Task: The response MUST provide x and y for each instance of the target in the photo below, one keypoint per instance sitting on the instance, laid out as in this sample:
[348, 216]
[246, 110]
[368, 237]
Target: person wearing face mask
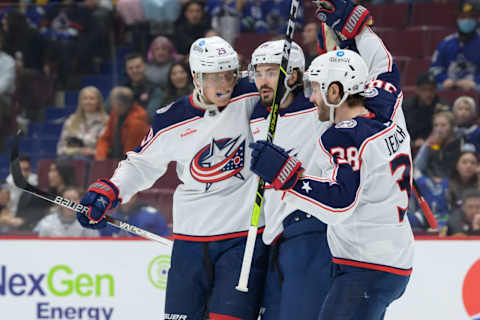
[456, 63]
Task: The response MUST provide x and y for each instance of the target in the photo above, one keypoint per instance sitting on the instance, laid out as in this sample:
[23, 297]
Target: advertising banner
[126, 279]
[445, 283]
[82, 279]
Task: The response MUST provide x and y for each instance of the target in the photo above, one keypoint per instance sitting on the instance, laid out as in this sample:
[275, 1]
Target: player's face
[218, 87]
[317, 99]
[266, 78]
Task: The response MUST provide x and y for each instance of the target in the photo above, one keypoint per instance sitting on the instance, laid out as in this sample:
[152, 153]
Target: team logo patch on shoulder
[164, 109]
[346, 124]
[370, 92]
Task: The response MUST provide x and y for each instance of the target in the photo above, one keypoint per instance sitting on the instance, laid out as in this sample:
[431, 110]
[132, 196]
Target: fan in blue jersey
[358, 180]
[206, 134]
[295, 235]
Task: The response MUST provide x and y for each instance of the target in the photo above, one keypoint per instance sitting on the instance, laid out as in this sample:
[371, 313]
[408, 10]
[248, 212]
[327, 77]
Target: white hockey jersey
[297, 130]
[359, 179]
[358, 182]
[215, 199]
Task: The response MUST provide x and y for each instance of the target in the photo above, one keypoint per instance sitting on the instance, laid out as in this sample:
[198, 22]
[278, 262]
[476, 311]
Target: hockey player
[359, 179]
[206, 133]
[293, 234]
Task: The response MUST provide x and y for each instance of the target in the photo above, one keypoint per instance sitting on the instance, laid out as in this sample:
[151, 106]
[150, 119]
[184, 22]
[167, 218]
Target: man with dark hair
[466, 219]
[420, 108]
[146, 93]
[126, 126]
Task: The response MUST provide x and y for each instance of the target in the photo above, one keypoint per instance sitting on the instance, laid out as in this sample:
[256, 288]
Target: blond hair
[79, 116]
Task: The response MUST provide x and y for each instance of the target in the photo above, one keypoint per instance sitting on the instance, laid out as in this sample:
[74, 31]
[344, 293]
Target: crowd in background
[48, 47]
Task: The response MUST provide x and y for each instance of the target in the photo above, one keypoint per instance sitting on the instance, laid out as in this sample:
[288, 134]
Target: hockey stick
[21, 183]
[425, 207]
[278, 93]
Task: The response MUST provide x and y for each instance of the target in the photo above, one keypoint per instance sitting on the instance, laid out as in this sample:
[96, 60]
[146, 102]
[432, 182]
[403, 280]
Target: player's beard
[267, 99]
[323, 112]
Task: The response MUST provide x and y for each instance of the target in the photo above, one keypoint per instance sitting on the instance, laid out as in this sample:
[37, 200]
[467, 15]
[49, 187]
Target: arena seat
[391, 15]
[434, 14]
[413, 68]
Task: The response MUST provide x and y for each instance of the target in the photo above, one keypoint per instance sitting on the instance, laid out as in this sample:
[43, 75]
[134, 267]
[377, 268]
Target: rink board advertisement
[82, 279]
[126, 279]
[445, 283]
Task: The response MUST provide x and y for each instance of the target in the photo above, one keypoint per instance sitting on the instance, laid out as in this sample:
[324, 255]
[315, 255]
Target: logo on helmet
[201, 43]
[322, 17]
[340, 53]
[197, 49]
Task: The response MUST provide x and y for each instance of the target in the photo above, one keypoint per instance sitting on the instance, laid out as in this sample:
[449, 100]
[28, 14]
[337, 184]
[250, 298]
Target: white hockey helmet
[272, 52]
[213, 54]
[344, 66]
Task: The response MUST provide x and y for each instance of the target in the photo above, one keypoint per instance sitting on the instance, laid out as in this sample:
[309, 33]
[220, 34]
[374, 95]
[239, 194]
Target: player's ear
[333, 93]
[195, 80]
[293, 78]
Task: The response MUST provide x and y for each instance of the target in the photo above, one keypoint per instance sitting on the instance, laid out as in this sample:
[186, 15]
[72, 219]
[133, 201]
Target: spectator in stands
[103, 20]
[466, 219]
[253, 18]
[211, 33]
[191, 25]
[7, 89]
[309, 37]
[179, 83]
[7, 219]
[81, 130]
[126, 126]
[24, 42]
[133, 15]
[437, 156]
[62, 222]
[467, 129]
[146, 93]
[464, 176]
[31, 177]
[456, 63]
[277, 12]
[31, 53]
[76, 36]
[140, 214]
[226, 17]
[420, 108]
[32, 208]
[161, 56]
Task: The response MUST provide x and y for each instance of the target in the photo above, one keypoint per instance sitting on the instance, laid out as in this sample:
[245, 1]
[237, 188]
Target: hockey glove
[346, 18]
[101, 196]
[273, 164]
[326, 39]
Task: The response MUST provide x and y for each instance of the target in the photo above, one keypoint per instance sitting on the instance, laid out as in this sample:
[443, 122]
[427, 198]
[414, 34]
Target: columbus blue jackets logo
[219, 160]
